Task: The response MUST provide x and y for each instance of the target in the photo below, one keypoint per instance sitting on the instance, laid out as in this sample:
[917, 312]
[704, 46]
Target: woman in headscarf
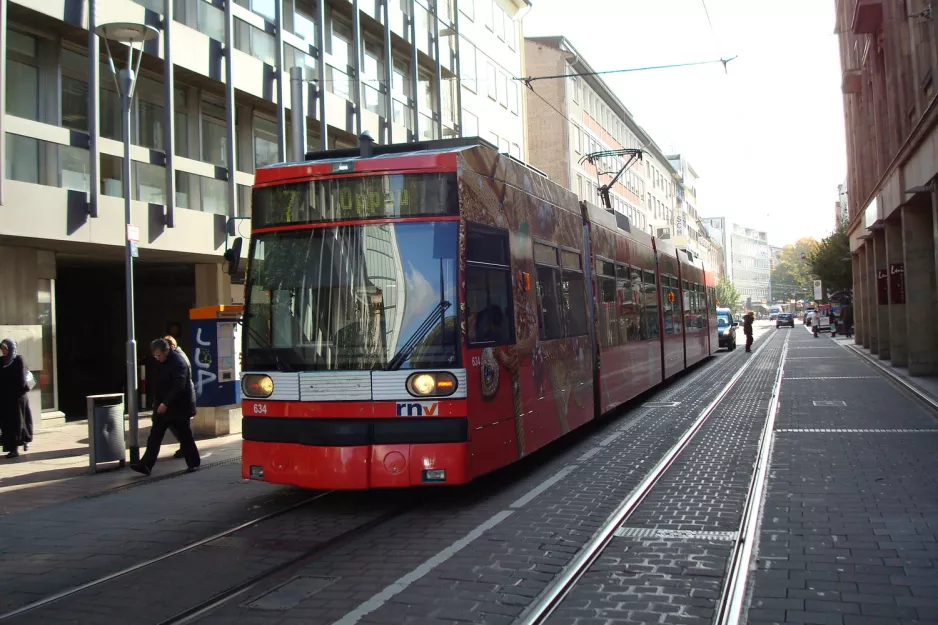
[13, 399]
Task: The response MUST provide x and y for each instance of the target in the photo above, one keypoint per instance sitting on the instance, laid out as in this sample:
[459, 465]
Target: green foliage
[791, 276]
[830, 261]
[728, 295]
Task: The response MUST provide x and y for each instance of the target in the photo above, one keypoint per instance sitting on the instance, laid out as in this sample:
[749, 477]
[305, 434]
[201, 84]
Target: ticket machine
[216, 345]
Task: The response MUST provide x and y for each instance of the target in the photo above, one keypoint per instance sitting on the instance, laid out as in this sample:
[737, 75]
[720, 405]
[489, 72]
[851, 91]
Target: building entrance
[91, 328]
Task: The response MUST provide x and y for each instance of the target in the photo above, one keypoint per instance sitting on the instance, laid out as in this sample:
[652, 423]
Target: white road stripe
[401, 584]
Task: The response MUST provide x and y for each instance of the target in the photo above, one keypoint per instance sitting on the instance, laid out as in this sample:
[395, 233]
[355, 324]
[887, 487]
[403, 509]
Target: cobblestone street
[846, 532]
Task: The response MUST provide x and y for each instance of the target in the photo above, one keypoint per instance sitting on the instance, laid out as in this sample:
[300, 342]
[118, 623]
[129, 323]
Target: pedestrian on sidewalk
[748, 319]
[846, 317]
[14, 400]
[174, 397]
[173, 345]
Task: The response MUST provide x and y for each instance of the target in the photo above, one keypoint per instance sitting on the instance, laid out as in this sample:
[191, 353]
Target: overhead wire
[528, 79]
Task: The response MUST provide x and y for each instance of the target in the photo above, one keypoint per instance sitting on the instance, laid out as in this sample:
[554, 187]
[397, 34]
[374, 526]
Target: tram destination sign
[349, 198]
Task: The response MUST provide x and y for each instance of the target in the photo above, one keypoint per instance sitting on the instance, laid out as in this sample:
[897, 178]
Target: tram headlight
[437, 384]
[257, 385]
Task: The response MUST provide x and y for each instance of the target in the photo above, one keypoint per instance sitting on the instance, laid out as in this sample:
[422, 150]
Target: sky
[766, 137]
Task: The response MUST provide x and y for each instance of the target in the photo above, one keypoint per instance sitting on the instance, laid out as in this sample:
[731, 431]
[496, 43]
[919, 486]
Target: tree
[728, 295]
[791, 276]
[830, 261]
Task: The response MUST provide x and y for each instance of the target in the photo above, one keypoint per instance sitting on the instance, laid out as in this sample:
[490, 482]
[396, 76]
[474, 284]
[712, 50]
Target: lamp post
[128, 34]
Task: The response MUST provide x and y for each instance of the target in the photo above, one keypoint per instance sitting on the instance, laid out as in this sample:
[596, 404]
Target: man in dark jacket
[748, 318]
[173, 345]
[846, 317]
[174, 398]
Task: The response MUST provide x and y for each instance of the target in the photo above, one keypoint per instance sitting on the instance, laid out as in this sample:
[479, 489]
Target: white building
[747, 254]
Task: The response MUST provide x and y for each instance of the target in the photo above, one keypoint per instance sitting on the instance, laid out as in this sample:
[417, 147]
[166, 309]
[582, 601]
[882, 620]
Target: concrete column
[862, 299]
[212, 286]
[872, 308]
[898, 331]
[882, 310]
[920, 288]
[857, 298]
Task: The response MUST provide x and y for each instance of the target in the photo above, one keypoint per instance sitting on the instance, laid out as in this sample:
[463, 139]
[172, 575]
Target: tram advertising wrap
[426, 315]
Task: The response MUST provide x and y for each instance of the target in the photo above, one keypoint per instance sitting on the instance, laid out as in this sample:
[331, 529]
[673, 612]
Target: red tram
[422, 316]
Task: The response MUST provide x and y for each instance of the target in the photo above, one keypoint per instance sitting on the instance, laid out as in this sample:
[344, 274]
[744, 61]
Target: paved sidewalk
[849, 532]
[56, 469]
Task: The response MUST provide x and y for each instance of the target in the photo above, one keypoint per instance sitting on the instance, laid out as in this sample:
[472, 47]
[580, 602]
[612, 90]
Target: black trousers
[183, 433]
[748, 342]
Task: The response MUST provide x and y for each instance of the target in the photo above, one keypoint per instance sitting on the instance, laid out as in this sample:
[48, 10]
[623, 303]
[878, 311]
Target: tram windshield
[368, 296]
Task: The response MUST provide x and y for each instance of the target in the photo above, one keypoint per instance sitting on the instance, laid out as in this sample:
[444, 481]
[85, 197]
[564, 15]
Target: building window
[513, 96]
[45, 297]
[488, 287]
[214, 134]
[25, 167]
[516, 151]
[22, 78]
[487, 7]
[577, 137]
[503, 146]
[491, 80]
[500, 18]
[503, 89]
[403, 113]
[467, 65]
[470, 124]
[467, 8]
[265, 142]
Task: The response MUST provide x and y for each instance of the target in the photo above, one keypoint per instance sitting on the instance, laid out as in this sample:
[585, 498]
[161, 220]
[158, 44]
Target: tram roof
[379, 152]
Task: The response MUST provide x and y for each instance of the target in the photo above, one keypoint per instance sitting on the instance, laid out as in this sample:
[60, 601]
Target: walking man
[174, 397]
[175, 347]
[748, 318]
[846, 317]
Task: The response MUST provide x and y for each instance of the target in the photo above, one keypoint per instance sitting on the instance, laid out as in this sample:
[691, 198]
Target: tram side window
[488, 287]
[677, 319]
[636, 277]
[573, 288]
[547, 265]
[605, 277]
[651, 306]
[560, 292]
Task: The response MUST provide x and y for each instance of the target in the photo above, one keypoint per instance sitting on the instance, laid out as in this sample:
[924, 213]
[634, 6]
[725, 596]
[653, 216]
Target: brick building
[889, 58]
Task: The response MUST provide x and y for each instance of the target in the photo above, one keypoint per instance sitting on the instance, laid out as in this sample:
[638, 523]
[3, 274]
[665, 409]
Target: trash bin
[106, 429]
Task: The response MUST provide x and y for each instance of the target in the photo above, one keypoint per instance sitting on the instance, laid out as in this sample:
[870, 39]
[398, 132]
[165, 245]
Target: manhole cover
[290, 593]
[828, 404]
[661, 404]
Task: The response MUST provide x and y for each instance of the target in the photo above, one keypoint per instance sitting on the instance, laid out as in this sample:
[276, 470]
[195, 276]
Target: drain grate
[661, 404]
[830, 403]
[863, 431]
[290, 593]
[649, 533]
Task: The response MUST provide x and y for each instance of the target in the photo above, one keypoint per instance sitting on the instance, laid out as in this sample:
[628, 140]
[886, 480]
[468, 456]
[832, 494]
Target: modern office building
[747, 257]
[212, 103]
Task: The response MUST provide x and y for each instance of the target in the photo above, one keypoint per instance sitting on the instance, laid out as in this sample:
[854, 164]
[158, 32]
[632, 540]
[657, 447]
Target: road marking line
[540, 488]
[840, 377]
[860, 430]
[401, 584]
[589, 454]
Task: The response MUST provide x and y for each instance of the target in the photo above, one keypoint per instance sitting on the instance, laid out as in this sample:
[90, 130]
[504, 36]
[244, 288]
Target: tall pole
[127, 83]
[298, 111]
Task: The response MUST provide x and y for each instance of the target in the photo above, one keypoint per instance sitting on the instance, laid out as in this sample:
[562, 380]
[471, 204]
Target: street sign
[133, 233]
[134, 250]
[818, 291]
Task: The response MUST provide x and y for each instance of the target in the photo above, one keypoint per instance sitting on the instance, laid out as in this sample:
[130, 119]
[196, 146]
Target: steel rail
[730, 607]
[68, 592]
[552, 597]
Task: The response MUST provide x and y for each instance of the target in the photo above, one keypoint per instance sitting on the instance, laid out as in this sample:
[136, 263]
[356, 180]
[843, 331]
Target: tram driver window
[547, 264]
[488, 286]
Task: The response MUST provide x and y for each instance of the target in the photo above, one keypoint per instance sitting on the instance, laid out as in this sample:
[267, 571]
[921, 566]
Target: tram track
[151, 562]
[730, 605]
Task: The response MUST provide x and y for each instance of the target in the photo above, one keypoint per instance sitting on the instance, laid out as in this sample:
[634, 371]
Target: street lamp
[129, 34]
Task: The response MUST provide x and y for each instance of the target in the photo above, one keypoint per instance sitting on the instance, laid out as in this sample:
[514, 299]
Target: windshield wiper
[281, 365]
[405, 352]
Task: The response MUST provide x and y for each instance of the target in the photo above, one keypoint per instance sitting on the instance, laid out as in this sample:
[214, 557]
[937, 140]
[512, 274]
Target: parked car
[726, 328]
[785, 320]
